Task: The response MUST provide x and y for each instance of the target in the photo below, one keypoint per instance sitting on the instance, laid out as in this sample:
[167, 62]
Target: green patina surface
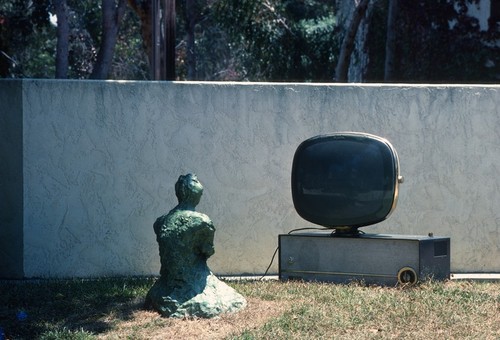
[185, 237]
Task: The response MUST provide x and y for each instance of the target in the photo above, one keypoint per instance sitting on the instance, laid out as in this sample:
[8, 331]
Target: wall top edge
[243, 83]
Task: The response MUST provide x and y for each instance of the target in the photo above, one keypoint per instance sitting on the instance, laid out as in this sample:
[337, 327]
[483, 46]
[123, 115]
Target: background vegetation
[265, 40]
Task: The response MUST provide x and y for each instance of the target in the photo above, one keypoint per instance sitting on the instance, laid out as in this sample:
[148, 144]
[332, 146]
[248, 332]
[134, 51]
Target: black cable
[308, 228]
[270, 264]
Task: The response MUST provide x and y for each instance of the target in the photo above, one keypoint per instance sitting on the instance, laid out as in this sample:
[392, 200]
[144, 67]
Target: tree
[4, 56]
[428, 41]
[191, 18]
[255, 40]
[391, 41]
[348, 43]
[29, 42]
[445, 44]
[265, 40]
[280, 40]
[144, 11]
[112, 14]
[62, 50]
[25, 39]
[189, 14]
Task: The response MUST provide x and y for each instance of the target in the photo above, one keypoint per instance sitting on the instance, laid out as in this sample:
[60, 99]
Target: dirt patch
[144, 324]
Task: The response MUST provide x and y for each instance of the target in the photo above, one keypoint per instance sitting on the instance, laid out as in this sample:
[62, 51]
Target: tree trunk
[190, 25]
[111, 17]
[144, 10]
[390, 43]
[62, 49]
[348, 43]
[169, 40]
[166, 59]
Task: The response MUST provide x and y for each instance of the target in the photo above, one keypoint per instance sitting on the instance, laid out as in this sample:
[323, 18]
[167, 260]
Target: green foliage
[37, 62]
[436, 42]
[212, 47]
[280, 40]
[23, 26]
[130, 60]
[85, 23]
[29, 41]
[270, 40]
[249, 40]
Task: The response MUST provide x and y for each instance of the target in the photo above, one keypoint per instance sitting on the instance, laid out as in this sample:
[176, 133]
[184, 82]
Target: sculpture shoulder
[199, 217]
[198, 220]
[182, 219]
[160, 224]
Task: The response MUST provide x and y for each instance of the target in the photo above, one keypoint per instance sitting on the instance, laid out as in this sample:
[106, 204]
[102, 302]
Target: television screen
[345, 180]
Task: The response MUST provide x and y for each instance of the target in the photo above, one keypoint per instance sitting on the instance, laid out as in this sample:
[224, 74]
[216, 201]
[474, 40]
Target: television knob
[291, 260]
[401, 179]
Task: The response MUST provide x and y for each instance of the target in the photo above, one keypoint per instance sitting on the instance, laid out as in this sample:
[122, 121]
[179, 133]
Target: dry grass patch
[432, 310]
[149, 325]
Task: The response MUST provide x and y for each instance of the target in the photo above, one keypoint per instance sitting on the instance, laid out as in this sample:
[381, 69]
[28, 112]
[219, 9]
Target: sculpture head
[188, 190]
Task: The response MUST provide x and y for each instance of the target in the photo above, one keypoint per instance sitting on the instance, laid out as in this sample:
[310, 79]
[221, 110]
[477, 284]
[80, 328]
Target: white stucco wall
[101, 159]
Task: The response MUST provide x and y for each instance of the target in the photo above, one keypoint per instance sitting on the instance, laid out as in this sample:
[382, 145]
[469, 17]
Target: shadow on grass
[30, 310]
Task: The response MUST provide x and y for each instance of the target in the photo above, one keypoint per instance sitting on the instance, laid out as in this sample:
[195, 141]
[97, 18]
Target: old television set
[345, 181]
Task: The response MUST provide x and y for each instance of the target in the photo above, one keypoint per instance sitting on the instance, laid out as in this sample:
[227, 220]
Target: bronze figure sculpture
[186, 286]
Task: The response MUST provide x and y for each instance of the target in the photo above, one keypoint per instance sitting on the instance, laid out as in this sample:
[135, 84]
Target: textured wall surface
[101, 159]
[11, 181]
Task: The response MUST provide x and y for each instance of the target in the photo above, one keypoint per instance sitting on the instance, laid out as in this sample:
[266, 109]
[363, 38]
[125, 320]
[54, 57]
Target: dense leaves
[281, 40]
[264, 40]
[28, 41]
[436, 42]
[227, 40]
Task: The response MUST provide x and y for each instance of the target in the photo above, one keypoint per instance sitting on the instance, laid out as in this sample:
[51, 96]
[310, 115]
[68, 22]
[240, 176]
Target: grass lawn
[112, 309]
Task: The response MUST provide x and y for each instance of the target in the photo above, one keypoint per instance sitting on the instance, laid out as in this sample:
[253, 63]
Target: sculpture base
[206, 301]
